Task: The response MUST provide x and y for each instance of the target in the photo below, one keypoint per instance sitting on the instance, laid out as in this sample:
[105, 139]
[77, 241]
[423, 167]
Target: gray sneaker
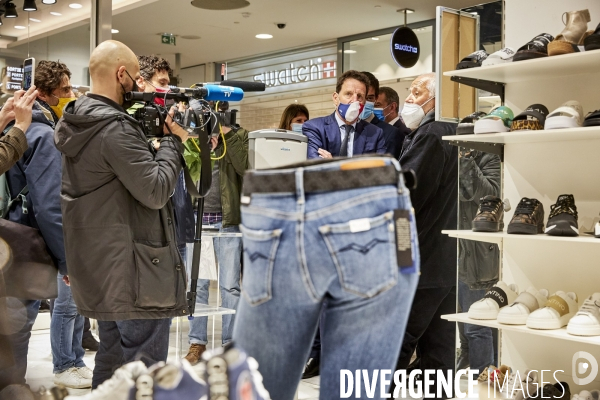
[71, 378]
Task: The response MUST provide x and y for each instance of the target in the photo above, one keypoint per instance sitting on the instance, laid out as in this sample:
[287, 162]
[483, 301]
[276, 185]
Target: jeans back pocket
[260, 248]
[156, 276]
[363, 251]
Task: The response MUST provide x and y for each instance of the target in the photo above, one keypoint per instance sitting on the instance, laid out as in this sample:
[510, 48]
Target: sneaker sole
[561, 228]
[495, 61]
[508, 319]
[524, 229]
[465, 129]
[581, 330]
[528, 55]
[560, 122]
[81, 386]
[481, 315]
[487, 226]
[468, 64]
[545, 324]
[489, 126]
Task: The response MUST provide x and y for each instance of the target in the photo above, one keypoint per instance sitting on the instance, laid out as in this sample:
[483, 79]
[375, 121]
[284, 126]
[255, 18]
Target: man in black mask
[120, 245]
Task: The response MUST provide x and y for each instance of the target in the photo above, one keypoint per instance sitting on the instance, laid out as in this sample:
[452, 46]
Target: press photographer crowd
[101, 193]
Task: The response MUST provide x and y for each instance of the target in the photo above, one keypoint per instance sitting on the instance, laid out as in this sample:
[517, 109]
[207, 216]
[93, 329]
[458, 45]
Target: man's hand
[23, 103]
[214, 141]
[324, 153]
[66, 280]
[174, 127]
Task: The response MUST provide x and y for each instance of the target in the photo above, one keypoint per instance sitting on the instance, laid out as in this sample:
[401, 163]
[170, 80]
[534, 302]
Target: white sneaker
[501, 295]
[587, 321]
[527, 302]
[520, 385]
[559, 309]
[86, 372]
[569, 115]
[587, 395]
[117, 387]
[502, 56]
[72, 379]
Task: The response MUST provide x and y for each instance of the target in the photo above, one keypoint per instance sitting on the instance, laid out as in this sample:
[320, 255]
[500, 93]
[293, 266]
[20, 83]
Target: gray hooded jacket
[117, 218]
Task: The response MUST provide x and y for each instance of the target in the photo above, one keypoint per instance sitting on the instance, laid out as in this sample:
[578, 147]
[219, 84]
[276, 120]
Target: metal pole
[100, 22]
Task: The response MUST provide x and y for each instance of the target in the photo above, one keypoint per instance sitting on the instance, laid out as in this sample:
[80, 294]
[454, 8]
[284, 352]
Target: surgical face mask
[413, 114]
[62, 102]
[350, 112]
[367, 110]
[134, 88]
[297, 127]
[379, 113]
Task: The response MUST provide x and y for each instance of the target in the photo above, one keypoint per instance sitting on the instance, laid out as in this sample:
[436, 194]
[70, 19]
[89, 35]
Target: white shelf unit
[543, 165]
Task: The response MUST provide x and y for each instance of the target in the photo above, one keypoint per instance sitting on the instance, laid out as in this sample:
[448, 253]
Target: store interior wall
[191, 75]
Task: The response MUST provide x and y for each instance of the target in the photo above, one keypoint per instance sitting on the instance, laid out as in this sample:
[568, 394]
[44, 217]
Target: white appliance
[271, 148]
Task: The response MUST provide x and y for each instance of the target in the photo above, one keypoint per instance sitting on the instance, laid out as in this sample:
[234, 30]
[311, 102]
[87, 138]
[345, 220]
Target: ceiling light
[375, 38]
[29, 5]
[0, 24]
[75, 5]
[114, 31]
[349, 51]
[20, 27]
[264, 36]
[11, 10]
[407, 10]
[55, 13]
[34, 20]
[48, 1]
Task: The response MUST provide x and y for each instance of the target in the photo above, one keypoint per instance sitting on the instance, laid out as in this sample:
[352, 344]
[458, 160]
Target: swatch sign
[404, 47]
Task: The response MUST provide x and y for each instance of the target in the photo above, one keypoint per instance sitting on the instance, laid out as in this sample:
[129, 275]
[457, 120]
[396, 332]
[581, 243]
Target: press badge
[403, 241]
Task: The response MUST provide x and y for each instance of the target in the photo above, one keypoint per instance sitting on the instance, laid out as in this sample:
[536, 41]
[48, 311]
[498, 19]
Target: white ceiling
[227, 35]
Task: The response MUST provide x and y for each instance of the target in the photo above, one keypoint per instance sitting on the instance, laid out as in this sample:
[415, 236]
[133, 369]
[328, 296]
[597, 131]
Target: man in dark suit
[388, 101]
[342, 133]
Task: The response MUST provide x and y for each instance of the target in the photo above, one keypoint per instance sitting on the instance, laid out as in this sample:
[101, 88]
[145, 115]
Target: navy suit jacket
[392, 136]
[324, 133]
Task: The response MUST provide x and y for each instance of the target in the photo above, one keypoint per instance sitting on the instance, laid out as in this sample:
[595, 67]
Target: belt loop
[300, 185]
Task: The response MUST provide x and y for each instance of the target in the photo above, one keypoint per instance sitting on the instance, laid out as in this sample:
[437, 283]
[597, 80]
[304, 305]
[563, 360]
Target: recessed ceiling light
[20, 27]
[55, 13]
[114, 31]
[349, 51]
[75, 5]
[34, 20]
[264, 36]
[375, 38]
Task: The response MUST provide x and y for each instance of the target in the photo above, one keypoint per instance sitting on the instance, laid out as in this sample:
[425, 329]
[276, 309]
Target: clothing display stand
[543, 165]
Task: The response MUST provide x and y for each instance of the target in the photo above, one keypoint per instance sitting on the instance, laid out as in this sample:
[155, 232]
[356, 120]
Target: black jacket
[118, 221]
[392, 136]
[40, 169]
[401, 127]
[434, 199]
[479, 176]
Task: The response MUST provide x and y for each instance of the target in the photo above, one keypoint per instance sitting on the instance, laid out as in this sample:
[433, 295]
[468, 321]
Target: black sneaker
[311, 369]
[563, 217]
[467, 124]
[528, 218]
[473, 60]
[490, 215]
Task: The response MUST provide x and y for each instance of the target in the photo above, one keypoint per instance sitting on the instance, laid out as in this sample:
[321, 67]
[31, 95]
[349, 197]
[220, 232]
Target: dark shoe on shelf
[195, 353]
[467, 124]
[490, 215]
[532, 119]
[592, 42]
[528, 218]
[535, 48]
[90, 343]
[592, 119]
[563, 217]
[559, 390]
[311, 369]
[472, 60]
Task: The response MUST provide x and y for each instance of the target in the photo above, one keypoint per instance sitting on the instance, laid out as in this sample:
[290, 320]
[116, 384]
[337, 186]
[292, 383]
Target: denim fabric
[21, 315]
[299, 251]
[480, 338]
[66, 331]
[229, 253]
[124, 341]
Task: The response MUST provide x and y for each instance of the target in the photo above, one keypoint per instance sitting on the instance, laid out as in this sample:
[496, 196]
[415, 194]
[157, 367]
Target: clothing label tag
[359, 225]
[403, 241]
[245, 200]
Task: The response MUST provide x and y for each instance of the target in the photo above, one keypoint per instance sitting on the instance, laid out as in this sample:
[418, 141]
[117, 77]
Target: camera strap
[205, 172]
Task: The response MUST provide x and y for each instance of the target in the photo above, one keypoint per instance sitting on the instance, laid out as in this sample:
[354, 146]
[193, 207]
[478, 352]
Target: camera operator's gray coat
[120, 243]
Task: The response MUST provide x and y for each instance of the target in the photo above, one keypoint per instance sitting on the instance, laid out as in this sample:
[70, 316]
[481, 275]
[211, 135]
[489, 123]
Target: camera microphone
[211, 92]
[246, 86]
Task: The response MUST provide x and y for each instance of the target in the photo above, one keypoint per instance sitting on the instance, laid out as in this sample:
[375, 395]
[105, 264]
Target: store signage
[167, 38]
[314, 70]
[404, 46]
[15, 78]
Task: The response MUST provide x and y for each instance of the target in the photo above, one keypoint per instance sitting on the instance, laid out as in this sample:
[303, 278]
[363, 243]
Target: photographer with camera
[118, 221]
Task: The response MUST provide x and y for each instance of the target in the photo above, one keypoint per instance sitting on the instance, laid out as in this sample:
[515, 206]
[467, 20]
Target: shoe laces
[564, 204]
[526, 206]
[488, 205]
[592, 307]
[195, 350]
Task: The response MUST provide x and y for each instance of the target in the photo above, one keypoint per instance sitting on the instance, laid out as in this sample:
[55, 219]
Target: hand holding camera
[174, 127]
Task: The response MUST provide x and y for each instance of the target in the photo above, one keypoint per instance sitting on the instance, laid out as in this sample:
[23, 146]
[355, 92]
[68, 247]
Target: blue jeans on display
[66, 331]
[122, 342]
[21, 315]
[299, 251]
[480, 338]
[229, 253]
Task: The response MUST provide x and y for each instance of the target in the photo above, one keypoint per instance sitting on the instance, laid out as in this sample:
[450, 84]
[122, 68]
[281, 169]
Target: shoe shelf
[530, 70]
[205, 310]
[519, 137]
[550, 333]
[499, 237]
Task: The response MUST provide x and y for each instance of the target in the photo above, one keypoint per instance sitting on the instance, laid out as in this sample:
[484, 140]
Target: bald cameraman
[117, 217]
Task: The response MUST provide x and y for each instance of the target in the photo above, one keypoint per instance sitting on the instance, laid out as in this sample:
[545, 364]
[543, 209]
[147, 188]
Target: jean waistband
[331, 175]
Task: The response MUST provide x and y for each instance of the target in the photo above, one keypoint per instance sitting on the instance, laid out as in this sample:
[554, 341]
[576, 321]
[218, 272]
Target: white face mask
[412, 114]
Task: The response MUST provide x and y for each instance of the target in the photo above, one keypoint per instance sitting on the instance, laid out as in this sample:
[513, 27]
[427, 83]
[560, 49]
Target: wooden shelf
[499, 237]
[556, 67]
[551, 333]
[553, 135]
